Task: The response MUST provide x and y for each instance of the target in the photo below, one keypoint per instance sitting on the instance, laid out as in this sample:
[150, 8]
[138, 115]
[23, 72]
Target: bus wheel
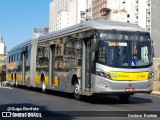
[43, 87]
[77, 96]
[15, 84]
[124, 97]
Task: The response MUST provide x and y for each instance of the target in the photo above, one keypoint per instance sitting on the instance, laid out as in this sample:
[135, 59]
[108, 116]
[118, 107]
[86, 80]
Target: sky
[18, 18]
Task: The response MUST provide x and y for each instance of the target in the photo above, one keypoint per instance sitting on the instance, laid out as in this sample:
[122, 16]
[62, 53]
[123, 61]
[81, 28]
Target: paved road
[18, 98]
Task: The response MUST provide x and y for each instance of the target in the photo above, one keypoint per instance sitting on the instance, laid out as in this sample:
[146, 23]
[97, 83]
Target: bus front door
[86, 65]
[23, 55]
[52, 63]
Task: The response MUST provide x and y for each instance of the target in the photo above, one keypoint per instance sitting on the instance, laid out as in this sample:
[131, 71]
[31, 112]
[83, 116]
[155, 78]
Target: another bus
[93, 57]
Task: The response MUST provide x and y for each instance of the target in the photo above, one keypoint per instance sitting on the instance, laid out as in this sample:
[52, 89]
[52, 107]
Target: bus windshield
[126, 52]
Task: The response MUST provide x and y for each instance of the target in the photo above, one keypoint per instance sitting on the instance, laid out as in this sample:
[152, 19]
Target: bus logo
[114, 75]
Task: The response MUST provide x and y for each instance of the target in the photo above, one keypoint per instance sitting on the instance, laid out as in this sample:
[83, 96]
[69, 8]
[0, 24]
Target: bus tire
[43, 85]
[16, 84]
[76, 91]
[124, 97]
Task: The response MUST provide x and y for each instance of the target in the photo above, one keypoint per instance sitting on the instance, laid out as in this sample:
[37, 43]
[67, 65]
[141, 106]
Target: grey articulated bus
[93, 57]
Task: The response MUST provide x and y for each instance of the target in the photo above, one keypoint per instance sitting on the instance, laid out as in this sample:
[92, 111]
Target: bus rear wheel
[76, 91]
[124, 97]
[15, 84]
[43, 84]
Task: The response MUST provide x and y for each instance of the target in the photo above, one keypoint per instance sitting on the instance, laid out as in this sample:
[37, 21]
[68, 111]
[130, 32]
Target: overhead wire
[16, 30]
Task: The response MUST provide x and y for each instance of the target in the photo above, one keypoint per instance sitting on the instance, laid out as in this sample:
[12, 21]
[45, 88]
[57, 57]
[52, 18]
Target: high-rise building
[98, 5]
[3, 61]
[147, 16]
[121, 10]
[154, 21]
[116, 10]
[2, 47]
[51, 16]
[85, 12]
[76, 8]
[142, 13]
[64, 13]
[58, 15]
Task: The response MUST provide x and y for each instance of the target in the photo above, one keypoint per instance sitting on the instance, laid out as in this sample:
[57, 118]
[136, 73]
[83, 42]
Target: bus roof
[92, 24]
[23, 44]
[84, 26]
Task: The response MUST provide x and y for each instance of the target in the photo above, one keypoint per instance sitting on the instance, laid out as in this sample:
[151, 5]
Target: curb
[155, 93]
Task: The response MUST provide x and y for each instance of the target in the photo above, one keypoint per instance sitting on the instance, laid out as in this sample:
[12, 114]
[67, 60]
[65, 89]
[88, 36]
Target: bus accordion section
[93, 57]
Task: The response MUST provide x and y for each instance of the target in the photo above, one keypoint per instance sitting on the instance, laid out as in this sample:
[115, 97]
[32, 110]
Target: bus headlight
[103, 74]
[151, 74]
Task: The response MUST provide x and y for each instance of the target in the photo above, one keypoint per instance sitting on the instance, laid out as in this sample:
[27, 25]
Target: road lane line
[6, 87]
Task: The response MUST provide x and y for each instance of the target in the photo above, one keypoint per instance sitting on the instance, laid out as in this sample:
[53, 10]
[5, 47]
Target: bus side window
[58, 58]
[46, 56]
[17, 56]
[78, 52]
[9, 59]
[14, 58]
[26, 54]
[40, 54]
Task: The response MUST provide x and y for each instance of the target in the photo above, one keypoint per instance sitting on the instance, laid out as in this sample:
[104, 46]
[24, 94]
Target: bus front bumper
[105, 86]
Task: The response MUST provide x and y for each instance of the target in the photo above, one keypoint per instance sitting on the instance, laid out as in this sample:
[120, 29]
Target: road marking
[6, 87]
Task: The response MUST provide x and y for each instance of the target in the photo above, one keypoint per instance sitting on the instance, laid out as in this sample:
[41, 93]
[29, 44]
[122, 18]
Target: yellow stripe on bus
[135, 76]
[38, 80]
[46, 80]
[56, 81]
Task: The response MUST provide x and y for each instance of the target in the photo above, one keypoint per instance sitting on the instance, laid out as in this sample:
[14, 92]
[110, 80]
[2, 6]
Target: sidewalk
[155, 93]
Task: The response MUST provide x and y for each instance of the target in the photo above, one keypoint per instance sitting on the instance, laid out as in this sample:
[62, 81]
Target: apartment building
[2, 47]
[58, 15]
[86, 14]
[155, 25]
[117, 10]
[147, 16]
[72, 12]
[64, 13]
[121, 10]
[52, 16]
[3, 61]
[143, 13]
[79, 11]
[97, 6]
